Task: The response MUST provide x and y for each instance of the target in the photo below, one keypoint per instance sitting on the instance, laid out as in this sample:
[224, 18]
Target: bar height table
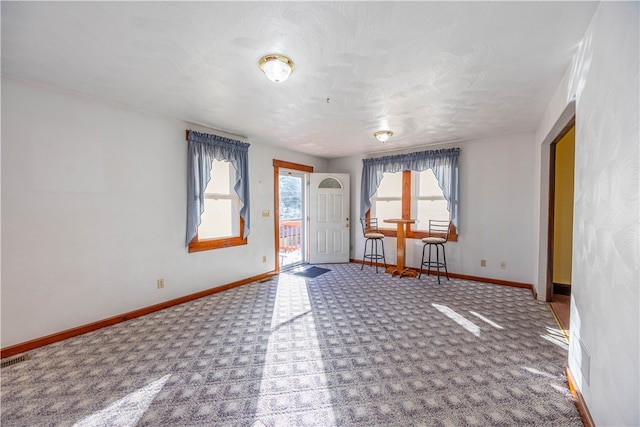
[400, 268]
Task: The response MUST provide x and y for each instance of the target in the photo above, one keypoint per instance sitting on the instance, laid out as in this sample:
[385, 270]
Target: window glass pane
[330, 183]
[390, 186]
[387, 210]
[427, 202]
[427, 184]
[386, 203]
[290, 193]
[220, 182]
[221, 217]
[430, 209]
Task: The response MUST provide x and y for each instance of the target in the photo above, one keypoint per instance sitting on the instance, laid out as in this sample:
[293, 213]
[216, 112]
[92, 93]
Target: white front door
[329, 218]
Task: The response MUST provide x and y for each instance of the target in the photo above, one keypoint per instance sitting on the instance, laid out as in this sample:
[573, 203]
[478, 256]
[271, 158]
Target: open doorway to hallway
[561, 200]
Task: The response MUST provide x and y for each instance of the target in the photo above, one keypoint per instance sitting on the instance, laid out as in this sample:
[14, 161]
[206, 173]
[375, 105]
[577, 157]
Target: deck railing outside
[291, 235]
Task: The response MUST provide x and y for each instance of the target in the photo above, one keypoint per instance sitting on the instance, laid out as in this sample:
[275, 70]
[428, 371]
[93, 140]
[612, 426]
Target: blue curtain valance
[203, 150]
[443, 163]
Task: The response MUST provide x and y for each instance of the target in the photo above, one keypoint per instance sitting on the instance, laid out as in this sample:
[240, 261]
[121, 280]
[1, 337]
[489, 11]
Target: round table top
[400, 221]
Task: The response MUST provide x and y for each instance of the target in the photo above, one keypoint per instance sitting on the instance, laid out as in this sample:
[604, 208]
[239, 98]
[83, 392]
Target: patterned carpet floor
[347, 347]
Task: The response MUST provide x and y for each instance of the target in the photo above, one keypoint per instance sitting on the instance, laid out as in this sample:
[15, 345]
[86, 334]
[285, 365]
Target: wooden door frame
[277, 164]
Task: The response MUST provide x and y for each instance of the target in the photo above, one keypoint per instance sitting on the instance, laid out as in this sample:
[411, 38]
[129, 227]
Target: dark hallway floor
[561, 306]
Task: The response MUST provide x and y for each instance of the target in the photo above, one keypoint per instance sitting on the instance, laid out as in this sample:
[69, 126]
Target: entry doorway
[292, 214]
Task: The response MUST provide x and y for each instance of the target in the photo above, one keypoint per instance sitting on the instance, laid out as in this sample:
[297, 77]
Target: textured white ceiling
[430, 71]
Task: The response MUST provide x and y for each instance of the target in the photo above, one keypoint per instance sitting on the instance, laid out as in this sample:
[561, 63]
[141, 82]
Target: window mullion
[406, 195]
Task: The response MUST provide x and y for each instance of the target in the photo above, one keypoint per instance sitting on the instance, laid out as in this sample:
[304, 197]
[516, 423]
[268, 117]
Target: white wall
[93, 212]
[604, 351]
[496, 209]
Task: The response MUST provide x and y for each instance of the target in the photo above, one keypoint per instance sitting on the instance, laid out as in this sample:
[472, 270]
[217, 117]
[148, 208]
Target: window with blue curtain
[443, 163]
[203, 150]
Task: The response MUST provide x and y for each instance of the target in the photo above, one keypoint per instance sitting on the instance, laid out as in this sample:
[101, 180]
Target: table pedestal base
[400, 268]
[401, 272]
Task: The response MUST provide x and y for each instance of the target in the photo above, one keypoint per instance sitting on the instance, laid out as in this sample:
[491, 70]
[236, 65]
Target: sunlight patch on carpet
[459, 319]
[539, 372]
[292, 313]
[556, 337]
[484, 319]
[128, 410]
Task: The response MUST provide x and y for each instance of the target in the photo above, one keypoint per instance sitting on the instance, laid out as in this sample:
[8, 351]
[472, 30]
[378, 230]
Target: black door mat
[312, 272]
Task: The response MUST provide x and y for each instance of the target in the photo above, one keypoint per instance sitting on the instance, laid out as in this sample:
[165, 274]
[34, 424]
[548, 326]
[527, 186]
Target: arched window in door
[330, 183]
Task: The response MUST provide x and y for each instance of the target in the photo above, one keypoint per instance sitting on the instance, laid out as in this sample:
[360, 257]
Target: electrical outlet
[483, 263]
[265, 212]
[160, 283]
[264, 258]
[503, 265]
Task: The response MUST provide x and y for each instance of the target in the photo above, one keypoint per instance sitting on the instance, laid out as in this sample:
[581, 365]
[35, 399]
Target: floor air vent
[15, 360]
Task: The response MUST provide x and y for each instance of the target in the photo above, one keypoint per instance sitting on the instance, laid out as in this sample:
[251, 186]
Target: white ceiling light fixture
[383, 135]
[276, 67]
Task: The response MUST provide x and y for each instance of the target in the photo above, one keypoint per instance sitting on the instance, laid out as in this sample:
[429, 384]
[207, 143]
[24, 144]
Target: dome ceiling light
[276, 67]
[383, 135]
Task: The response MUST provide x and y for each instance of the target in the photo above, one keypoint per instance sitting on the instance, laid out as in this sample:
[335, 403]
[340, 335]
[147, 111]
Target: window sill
[206, 245]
